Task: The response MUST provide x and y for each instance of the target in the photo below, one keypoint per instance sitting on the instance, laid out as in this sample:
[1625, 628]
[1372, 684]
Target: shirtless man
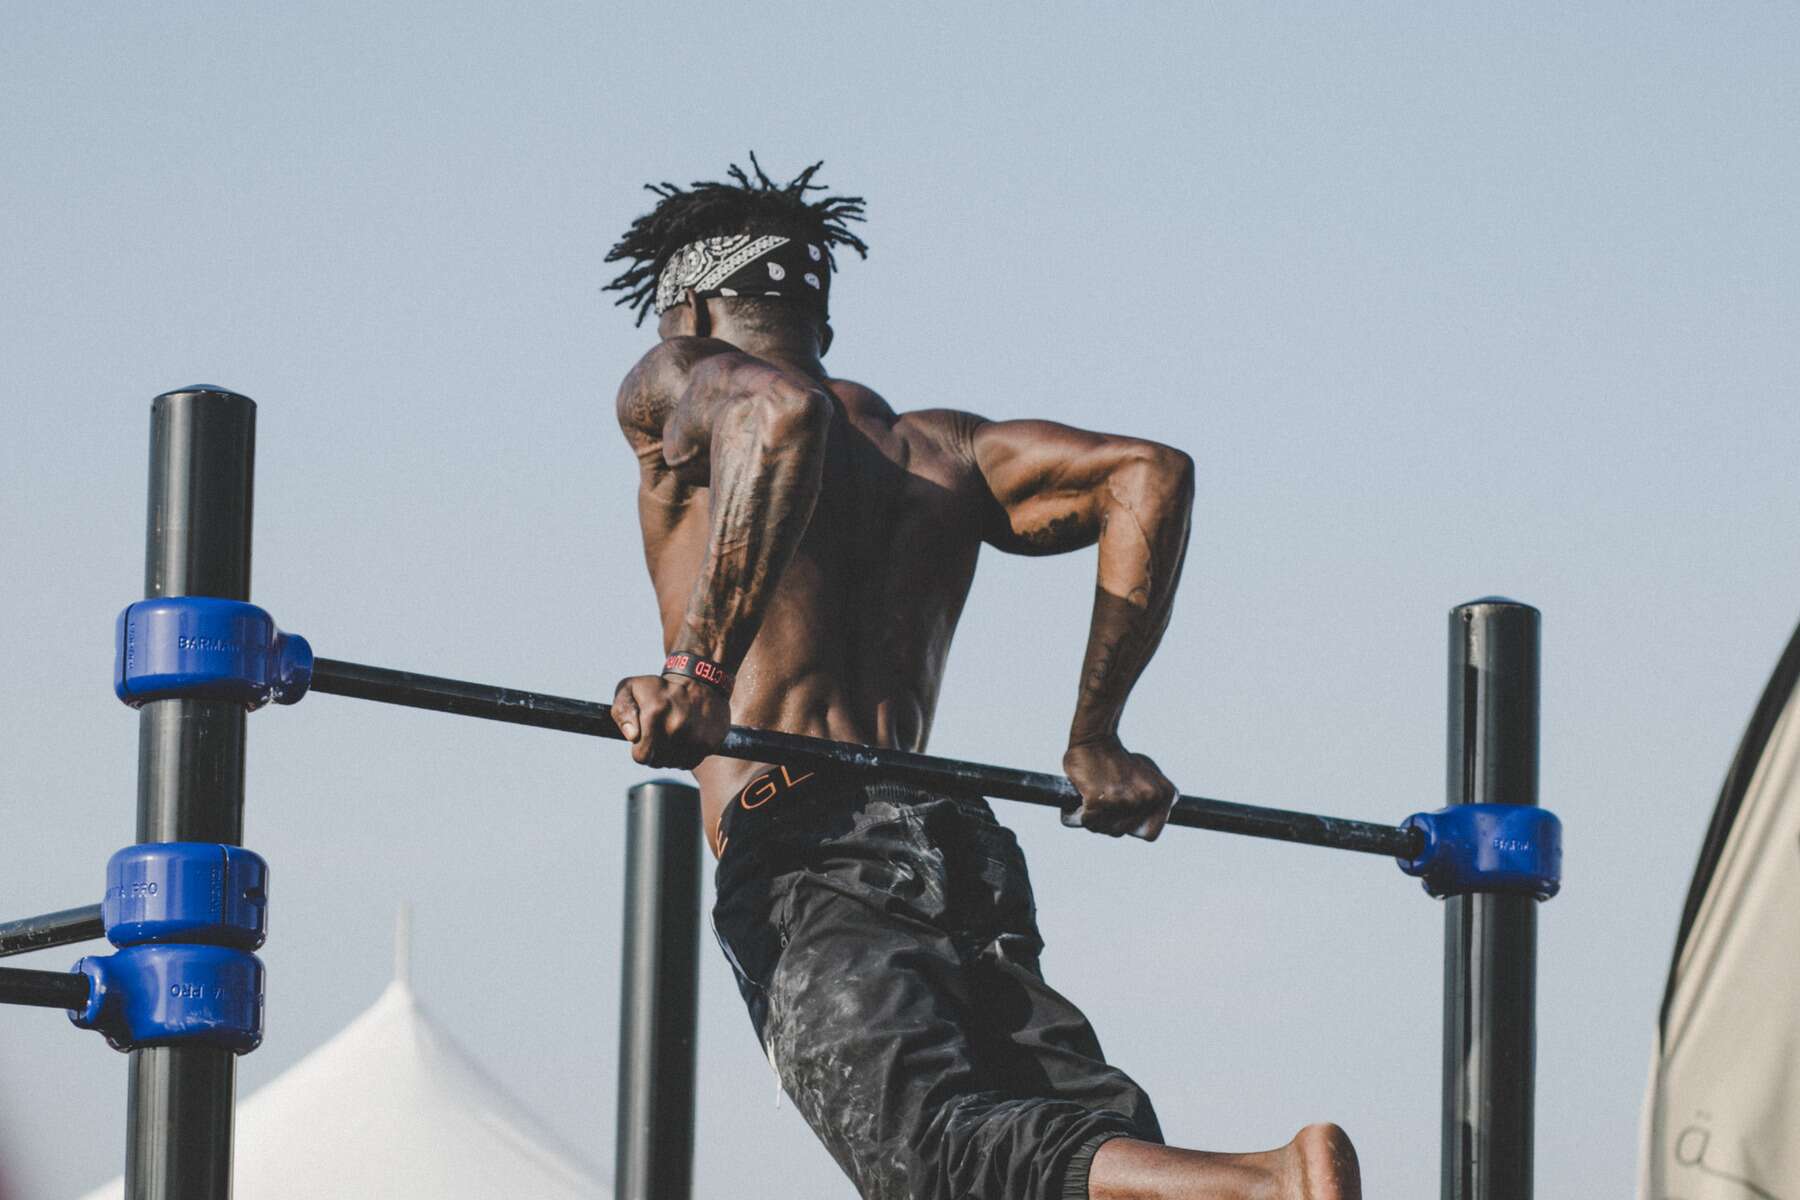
[811, 550]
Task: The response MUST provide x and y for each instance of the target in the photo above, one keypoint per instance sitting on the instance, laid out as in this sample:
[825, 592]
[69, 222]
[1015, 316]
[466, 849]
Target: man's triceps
[1044, 479]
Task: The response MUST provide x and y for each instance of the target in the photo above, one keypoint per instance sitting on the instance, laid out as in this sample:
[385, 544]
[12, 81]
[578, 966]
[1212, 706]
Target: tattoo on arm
[767, 465]
[642, 411]
[642, 406]
[1068, 531]
[1122, 638]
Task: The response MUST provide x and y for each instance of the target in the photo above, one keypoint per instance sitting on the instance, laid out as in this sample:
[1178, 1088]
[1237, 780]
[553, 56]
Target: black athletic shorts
[885, 941]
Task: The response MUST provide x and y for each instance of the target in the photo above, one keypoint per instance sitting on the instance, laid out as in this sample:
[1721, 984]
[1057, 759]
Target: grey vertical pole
[191, 766]
[659, 995]
[1490, 941]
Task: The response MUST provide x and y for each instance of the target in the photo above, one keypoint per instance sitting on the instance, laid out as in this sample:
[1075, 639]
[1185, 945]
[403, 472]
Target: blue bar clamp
[185, 916]
[1508, 848]
[204, 648]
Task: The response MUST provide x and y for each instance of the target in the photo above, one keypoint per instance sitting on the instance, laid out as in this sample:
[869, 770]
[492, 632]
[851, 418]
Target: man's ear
[702, 317]
[824, 338]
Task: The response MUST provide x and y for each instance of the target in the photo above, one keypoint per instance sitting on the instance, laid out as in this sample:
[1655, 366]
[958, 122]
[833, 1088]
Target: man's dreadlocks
[713, 209]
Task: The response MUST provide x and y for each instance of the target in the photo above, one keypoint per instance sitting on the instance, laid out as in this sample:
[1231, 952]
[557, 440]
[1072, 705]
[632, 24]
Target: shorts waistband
[812, 803]
[772, 794]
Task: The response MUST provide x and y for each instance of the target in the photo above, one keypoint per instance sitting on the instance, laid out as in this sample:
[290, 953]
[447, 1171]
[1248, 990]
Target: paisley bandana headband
[746, 264]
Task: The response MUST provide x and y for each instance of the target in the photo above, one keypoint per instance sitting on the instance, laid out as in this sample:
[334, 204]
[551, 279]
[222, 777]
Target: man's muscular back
[799, 530]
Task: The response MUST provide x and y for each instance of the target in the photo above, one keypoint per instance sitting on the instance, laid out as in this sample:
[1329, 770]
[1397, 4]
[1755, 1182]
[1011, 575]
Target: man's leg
[868, 1023]
[873, 1027]
[1037, 1042]
[926, 1075]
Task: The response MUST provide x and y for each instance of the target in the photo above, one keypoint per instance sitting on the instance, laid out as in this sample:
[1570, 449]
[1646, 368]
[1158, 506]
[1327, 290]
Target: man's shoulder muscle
[943, 432]
[948, 433]
[655, 384]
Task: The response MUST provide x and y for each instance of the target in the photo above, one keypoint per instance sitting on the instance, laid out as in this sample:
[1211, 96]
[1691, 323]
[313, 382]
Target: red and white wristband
[693, 666]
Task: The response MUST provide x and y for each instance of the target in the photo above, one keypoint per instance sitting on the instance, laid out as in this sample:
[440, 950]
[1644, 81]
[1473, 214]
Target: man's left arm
[1059, 489]
[755, 434]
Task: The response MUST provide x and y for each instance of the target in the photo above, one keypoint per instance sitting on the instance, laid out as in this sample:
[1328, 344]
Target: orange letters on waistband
[768, 785]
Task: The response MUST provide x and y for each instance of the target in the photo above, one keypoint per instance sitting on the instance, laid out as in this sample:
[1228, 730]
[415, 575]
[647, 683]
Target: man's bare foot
[1319, 1164]
[1325, 1166]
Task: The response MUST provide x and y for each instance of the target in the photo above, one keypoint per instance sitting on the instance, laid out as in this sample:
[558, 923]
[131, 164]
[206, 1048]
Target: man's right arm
[1057, 489]
[701, 413]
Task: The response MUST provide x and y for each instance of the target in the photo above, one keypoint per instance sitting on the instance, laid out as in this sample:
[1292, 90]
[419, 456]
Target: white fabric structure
[1722, 1118]
[391, 1107]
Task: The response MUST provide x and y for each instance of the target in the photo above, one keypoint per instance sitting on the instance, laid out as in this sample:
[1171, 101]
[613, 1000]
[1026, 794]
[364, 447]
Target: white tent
[1722, 1118]
[393, 1107]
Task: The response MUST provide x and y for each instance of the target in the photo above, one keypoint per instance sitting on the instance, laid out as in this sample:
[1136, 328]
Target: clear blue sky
[1444, 300]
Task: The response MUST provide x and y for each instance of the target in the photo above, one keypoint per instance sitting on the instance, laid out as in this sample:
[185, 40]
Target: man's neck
[800, 354]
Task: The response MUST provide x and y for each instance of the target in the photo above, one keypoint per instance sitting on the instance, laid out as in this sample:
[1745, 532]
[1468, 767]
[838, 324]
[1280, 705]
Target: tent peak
[403, 944]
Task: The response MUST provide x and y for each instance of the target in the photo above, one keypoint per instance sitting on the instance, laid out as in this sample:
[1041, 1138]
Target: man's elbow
[794, 414]
[1159, 476]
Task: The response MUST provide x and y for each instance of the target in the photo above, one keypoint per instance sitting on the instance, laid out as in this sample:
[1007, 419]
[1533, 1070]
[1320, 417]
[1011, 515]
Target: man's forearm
[1143, 540]
[767, 460]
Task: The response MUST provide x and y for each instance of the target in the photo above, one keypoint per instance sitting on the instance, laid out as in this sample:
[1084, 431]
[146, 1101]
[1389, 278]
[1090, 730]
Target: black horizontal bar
[755, 745]
[52, 929]
[45, 989]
